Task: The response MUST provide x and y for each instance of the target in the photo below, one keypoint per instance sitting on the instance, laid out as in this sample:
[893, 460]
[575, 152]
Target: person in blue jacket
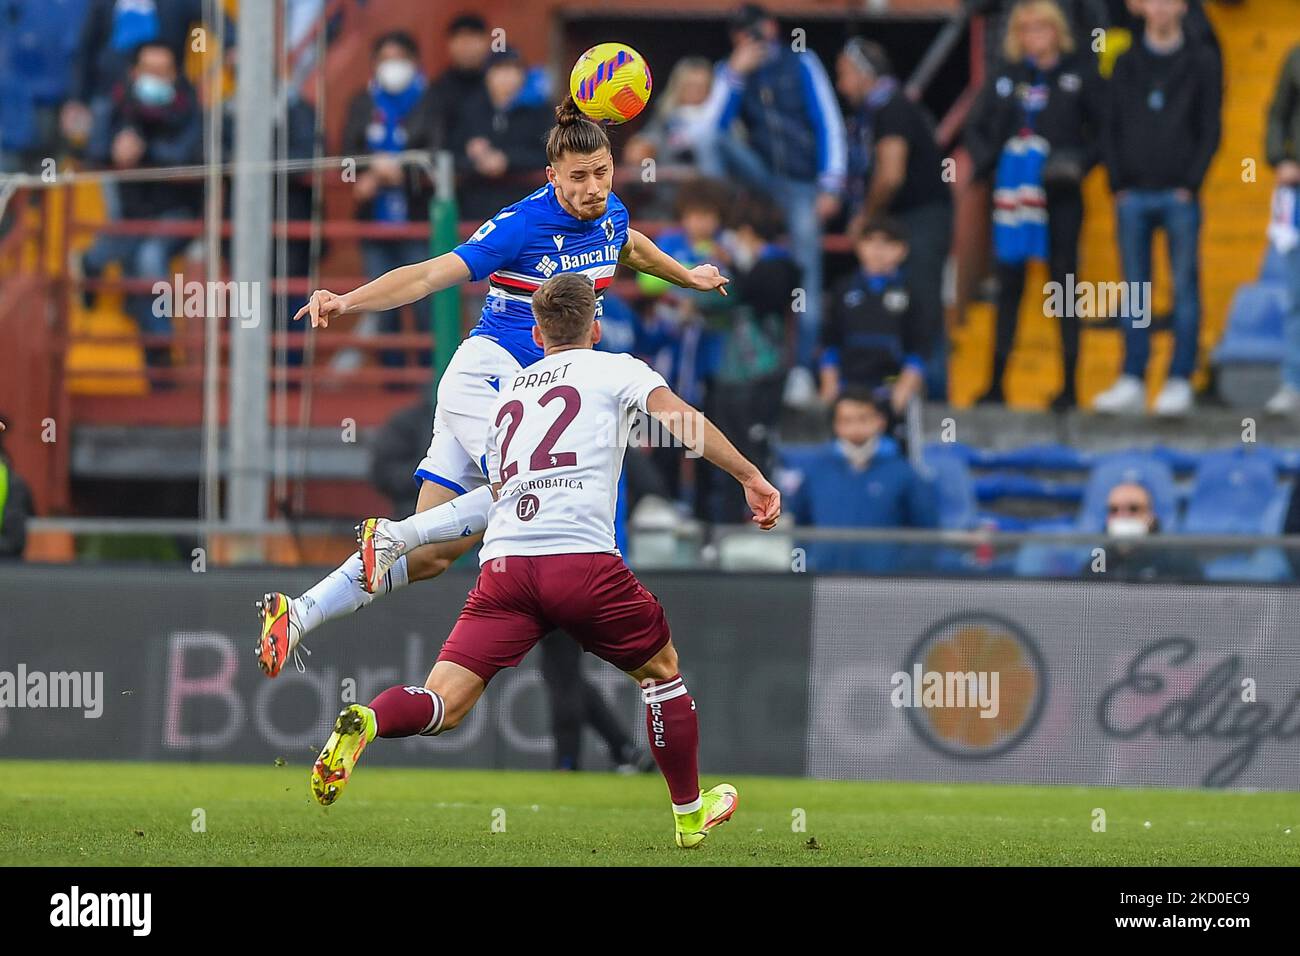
[859, 480]
[796, 152]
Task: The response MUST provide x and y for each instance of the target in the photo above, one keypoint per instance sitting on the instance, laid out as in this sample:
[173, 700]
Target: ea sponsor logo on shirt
[1070, 82]
[1156, 100]
[527, 506]
[1004, 86]
[964, 645]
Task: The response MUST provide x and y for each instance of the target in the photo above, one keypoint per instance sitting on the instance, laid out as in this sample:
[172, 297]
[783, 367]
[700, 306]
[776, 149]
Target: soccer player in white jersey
[574, 224]
[555, 448]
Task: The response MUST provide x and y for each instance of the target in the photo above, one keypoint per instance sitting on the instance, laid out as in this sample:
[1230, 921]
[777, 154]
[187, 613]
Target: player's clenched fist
[764, 500]
[322, 305]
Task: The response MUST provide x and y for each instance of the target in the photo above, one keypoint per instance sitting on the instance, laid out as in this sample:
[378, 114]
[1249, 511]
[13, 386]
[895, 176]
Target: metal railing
[932, 537]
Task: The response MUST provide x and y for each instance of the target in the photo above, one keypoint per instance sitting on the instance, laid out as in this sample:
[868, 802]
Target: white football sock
[459, 518]
[340, 593]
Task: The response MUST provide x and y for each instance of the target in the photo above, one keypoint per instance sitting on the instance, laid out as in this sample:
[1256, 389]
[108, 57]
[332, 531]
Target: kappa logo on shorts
[527, 507]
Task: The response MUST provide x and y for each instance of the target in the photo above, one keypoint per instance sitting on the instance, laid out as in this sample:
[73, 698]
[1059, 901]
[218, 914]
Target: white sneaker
[1126, 397]
[1286, 401]
[1175, 399]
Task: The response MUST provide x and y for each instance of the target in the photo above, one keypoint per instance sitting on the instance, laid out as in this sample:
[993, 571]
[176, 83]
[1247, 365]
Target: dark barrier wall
[1126, 684]
[1096, 683]
[180, 678]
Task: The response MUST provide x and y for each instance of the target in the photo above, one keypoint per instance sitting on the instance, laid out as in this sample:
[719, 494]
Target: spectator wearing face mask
[391, 115]
[154, 120]
[1131, 521]
[110, 33]
[501, 144]
[859, 480]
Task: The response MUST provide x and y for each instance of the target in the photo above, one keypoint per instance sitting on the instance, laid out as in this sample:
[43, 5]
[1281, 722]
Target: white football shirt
[556, 439]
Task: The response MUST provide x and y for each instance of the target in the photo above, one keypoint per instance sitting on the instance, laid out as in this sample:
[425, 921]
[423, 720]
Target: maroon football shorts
[519, 599]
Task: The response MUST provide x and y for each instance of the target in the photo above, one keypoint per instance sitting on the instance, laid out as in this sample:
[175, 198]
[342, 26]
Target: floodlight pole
[250, 336]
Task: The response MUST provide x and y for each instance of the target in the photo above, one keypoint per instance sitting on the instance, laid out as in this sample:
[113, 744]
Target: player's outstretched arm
[390, 291]
[643, 255]
[694, 430]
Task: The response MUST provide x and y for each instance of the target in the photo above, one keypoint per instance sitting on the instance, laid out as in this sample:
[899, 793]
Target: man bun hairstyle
[564, 307]
[574, 133]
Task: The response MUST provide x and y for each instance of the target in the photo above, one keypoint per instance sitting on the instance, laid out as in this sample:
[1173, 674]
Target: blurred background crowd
[1018, 266]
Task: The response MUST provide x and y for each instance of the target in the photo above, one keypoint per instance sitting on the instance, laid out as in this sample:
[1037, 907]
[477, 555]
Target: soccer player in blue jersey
[573, 224]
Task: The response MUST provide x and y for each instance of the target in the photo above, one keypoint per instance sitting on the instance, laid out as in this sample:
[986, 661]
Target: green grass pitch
[75, 813]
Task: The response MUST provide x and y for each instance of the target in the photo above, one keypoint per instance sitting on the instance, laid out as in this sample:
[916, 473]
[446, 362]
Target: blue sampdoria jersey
[524, 245]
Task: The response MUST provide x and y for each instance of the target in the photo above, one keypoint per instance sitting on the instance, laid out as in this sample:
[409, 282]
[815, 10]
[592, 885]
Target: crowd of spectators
[758, 159]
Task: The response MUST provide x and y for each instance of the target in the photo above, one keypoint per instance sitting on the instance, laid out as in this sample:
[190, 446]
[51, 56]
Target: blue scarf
[1019, 200]
[387, 134]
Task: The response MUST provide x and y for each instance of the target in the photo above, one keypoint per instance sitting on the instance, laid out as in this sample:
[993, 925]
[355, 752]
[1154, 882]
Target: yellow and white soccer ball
[611, 82]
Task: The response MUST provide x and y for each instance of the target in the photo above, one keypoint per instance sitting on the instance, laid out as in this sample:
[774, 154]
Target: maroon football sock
[674, 735]
[405, 711]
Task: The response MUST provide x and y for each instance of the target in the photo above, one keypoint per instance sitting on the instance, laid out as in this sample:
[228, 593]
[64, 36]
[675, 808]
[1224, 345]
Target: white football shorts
[468, 390]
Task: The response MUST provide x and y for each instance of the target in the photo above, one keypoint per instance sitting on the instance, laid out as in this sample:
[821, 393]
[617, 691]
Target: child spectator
[896, 170]
[681, 315]
[873, 336]
[685, 345]
[744, 392]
